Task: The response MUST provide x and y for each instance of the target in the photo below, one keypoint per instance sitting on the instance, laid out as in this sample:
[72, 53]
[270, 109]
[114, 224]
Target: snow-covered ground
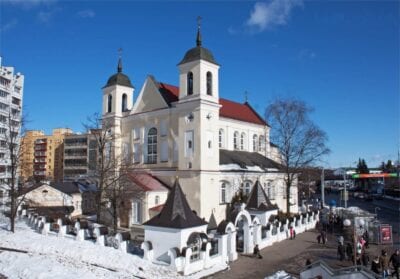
[57, 257]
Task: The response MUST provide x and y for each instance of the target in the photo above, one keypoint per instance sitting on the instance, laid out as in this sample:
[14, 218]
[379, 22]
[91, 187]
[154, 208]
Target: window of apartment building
[16, 101]
[3, 94]
[3, 106]
[17, 89]
[3, 119]
[236, 140]
[3, 131]
[4, 82]
[2, 155]
[152, 146]
[136, 133]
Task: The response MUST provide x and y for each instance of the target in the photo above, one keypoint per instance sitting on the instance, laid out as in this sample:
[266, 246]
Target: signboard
[374, 175]
[385, 233]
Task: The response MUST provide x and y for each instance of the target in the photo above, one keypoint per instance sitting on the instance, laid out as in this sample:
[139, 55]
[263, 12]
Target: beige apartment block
[42, 155]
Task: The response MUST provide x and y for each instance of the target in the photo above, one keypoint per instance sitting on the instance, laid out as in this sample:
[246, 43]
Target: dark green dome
[198, 52]
[119, 78]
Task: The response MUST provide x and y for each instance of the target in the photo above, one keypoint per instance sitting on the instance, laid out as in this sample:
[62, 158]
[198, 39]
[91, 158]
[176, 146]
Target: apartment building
[43, 155]
[11, 92]
[80, 155]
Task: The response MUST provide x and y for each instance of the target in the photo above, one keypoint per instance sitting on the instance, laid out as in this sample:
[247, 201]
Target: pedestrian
[291, 232]
[323, 236]
[384, 264]
[341, 240]
[341, 251]
[308, 263]
[365, 258]
[366, 238]
[375, 266]
[319, 239]
[358, 249]
[256, 252]
[395, 261]
[349, 251]
[294, 233]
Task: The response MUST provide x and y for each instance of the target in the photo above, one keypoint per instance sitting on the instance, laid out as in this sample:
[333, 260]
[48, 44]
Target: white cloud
[266, 15]
[7, 26]
[86, 14]
[306, 54]
[46, 16]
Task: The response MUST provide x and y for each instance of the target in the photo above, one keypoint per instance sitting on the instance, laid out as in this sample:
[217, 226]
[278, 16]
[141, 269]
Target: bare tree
[111, 171]
[300, 141]
[12, 129]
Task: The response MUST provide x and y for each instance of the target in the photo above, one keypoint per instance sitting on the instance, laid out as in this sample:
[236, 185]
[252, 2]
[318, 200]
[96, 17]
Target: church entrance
[242, 234]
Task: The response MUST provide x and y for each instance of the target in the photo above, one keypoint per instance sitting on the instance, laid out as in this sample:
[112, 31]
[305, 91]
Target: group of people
[381, 264]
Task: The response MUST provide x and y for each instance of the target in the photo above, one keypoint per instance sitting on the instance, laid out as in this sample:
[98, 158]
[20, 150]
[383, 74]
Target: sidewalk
[291, 256]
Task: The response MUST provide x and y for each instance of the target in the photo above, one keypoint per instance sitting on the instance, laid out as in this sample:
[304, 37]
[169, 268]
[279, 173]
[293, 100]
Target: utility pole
[345, 189]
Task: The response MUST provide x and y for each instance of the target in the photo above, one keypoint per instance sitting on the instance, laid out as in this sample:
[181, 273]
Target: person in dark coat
[349, 251]
[375, 266]
[341, 251]
[395, 261]
[323, 237]
[256, 252]
[365, 259]
[366, 238]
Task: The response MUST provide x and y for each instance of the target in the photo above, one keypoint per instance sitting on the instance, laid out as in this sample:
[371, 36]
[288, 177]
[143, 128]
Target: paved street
[291, 255]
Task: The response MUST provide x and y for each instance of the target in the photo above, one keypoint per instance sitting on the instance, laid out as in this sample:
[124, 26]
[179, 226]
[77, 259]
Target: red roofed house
[217, 147]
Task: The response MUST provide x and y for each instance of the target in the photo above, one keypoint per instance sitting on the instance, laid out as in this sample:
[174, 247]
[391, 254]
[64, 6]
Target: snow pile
[57, 257]
[280, 275]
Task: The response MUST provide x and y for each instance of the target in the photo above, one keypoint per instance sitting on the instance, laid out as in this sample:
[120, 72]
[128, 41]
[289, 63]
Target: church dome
[119, 78]
[198, 52]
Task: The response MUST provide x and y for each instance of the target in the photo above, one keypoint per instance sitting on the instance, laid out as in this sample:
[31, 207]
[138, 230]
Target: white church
[217, 147]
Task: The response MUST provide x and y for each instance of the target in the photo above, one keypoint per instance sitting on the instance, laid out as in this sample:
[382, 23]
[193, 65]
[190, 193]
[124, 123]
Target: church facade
[217, 147]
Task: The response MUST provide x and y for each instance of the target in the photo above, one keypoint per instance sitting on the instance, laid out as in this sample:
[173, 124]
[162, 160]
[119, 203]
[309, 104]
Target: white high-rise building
[11, 92]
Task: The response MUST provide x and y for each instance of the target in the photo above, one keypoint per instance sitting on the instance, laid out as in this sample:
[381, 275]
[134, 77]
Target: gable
[46, 195]
[149, 98]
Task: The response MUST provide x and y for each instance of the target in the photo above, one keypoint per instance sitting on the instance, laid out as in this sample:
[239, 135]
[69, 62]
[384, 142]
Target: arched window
[124, 102]
[223, 192]
[221, 138]
[109, 103]
[247, 188]
[190, 83]
[152, 146]
[254, 143]
[236, 140]
[242, 139]
[261, 143]
[157, 200]
[209, 83]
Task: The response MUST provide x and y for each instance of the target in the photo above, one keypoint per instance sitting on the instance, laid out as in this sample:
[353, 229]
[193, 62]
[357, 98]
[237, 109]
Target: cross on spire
[198, 39]
[119, 68]
[246, 97]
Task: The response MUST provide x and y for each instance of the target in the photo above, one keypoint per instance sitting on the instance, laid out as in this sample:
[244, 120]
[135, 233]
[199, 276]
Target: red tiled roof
[147, 182]
[229, 109]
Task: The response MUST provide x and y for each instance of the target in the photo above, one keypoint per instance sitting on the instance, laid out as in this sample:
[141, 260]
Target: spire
[258, 200]
[198, 38]
[176, 212]
[119, 68]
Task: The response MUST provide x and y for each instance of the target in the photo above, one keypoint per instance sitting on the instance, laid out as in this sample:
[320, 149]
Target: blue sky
[340, 57]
